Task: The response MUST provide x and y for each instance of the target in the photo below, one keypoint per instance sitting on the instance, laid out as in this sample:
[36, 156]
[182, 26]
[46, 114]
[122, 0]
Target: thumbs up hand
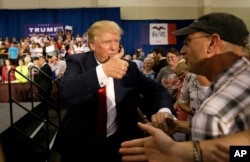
[116, 67]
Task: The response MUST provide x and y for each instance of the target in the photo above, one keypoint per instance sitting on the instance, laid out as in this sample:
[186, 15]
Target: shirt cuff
[168, 111]
[102, 78]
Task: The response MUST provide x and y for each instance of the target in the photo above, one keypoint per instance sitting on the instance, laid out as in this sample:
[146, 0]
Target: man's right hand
[115, 67]
[158, 146]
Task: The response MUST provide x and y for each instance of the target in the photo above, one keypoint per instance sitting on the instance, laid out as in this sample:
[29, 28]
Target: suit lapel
[119, 91]
[90, 60]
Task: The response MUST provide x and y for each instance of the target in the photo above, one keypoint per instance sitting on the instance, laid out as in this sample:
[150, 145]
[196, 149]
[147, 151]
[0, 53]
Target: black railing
[45, 100]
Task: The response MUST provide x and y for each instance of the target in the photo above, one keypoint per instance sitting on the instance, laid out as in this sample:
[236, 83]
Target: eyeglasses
[188, 40]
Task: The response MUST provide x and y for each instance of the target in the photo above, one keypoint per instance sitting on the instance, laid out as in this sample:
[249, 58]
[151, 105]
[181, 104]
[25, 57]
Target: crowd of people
[23, 53]
[194, 99]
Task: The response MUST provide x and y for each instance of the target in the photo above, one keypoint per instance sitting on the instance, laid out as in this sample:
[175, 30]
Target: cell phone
[120, 48]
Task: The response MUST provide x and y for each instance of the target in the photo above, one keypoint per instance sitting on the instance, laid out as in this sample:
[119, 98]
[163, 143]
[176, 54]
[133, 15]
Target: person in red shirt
[5, 72]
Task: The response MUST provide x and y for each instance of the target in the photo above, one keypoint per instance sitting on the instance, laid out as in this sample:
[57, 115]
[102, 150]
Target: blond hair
[101, 27]
[27, 59]
[181, 66]
[149, 59]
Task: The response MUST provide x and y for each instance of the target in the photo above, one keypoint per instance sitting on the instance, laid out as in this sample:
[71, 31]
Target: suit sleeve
[80, 81]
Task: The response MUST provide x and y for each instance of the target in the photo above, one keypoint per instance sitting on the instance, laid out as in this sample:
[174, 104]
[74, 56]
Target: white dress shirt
[110, 99]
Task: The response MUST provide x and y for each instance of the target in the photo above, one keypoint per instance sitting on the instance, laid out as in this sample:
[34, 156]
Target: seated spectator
[24, 70]
[5, 72]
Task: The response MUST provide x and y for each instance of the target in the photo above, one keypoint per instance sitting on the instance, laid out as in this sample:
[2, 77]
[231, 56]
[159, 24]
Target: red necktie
[102, 114]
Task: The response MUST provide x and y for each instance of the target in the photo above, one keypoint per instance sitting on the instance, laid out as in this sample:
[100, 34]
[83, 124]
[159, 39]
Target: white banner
[160, 34]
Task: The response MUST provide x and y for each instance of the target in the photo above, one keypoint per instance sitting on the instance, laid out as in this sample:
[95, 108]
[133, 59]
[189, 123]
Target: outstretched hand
[158, 147]
[220, 152]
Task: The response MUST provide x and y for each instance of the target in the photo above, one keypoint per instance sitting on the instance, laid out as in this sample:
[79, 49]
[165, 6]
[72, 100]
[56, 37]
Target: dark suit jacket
[44, 82]
[79, 87]
[161, 64]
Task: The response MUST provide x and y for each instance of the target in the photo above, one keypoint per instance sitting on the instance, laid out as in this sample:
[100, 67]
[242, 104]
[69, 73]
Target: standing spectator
[214, 46]
[24, 51]
[62, 52]
[13, 52]
[14, 40]
[135, 58]
[127, 57]
[62, 63]
[3, 53]
[1, 41]
[56, 67]
[33, 68]
[167, 76]
[70, 51]
[32, 50]
[78, 38]
[38, 50]
[147, 68]
[7, 42]
[141, 54]
[27, 61]
[193, 93]
[86, 47]
[46, 37]
[181, 72]
[42, 79]
[160, 55]
[78, 47]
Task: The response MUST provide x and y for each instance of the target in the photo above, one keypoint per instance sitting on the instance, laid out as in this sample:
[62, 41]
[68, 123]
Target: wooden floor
[17, 113]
